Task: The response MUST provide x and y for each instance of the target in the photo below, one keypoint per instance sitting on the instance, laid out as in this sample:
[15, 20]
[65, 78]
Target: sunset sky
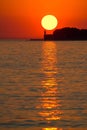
[22, 18]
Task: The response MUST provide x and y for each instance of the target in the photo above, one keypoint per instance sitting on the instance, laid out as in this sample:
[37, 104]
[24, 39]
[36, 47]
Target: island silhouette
[67, 33]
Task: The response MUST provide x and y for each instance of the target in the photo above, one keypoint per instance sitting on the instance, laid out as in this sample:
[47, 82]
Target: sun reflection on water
[52, 129]
[49, 59]
[50, 103]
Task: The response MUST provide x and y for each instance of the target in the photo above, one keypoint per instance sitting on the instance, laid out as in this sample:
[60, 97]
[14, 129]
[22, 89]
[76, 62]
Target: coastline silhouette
[67, 33]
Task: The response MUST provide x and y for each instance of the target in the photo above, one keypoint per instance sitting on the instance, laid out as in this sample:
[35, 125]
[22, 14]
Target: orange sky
[21, 18]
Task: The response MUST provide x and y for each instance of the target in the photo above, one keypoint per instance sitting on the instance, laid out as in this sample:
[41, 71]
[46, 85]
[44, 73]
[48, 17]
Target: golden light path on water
[49, 101]
[52, 129]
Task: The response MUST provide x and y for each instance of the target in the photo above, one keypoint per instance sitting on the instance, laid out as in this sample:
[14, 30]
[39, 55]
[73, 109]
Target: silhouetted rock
[67, 33]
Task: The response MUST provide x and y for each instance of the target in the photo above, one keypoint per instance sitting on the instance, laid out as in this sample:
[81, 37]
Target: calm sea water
[43, 85]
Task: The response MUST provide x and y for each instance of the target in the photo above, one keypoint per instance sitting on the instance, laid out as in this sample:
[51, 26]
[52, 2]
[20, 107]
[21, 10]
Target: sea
[43, 85]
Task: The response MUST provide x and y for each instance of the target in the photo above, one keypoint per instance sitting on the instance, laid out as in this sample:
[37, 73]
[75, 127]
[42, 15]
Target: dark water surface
[43, 85]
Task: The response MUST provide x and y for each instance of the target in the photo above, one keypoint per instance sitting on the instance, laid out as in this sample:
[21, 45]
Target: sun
[49, 22]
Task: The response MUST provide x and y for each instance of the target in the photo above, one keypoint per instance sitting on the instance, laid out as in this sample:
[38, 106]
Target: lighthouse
[48, 36]
[44, 34]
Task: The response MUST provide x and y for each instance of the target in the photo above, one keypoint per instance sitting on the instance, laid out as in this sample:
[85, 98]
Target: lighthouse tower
[44, 34]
